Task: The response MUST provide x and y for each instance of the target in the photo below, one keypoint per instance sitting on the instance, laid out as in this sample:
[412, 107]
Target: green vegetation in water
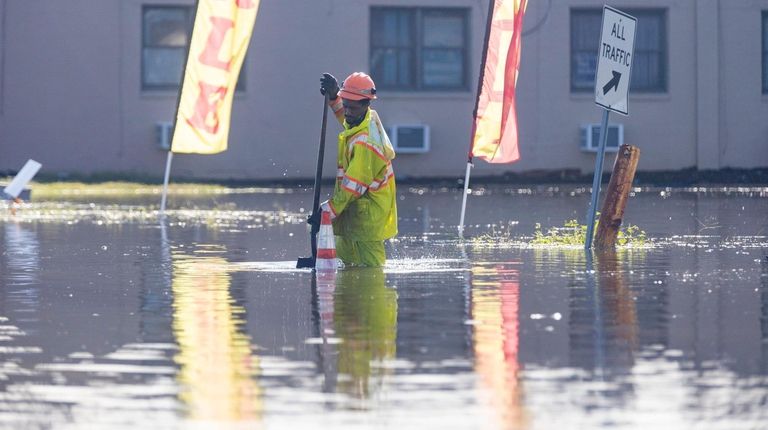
[117, 188]
[498, 234]
[575, 234]
[570, 234]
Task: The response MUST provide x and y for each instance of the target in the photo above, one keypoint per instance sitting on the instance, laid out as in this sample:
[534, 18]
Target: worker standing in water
[364, 203]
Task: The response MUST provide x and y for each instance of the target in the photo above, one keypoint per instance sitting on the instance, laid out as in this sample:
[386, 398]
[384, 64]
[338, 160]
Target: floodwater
[110, 319]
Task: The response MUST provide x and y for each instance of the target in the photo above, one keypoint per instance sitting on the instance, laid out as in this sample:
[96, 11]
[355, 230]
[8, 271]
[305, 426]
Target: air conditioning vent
[590, 137]
[409, 139]
[163, 132]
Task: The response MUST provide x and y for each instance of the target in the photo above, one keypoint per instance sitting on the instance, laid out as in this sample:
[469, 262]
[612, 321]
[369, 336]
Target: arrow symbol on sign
[614, 82]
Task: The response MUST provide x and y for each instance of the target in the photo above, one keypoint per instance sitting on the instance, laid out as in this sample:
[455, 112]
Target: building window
[165, 35]
[765, 52]
[649, 69]
[419, 48]
[164, 45]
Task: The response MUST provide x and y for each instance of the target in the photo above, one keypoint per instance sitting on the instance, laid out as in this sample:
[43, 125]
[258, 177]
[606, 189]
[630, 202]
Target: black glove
[314, 221]
[329, 84]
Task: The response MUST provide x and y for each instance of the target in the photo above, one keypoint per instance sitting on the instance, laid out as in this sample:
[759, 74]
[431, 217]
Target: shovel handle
[319, 173]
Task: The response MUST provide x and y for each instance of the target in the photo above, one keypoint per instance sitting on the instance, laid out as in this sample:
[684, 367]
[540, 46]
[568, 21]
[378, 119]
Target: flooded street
[111, 319]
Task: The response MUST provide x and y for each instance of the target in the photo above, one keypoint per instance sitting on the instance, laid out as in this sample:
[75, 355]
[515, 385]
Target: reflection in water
[764, 312]
[156, 296]
[362, 312]
[604, 330]
[366, 320]
[618, 299]
[217, 368]
[652, 299]
[495, 304]
[22, 251]
[618, 308]
[323, 288]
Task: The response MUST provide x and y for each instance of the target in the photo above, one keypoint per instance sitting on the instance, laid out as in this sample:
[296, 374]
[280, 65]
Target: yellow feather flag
[495, 127]
[219, 42]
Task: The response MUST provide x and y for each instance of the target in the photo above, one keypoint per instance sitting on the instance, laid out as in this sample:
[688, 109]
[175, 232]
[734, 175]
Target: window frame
[572, 21]
[410, 49]
[418, 15]
[660, 87]
[188, 11]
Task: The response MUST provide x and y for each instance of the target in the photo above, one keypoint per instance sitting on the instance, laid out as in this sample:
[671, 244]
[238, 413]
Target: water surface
[109, 318]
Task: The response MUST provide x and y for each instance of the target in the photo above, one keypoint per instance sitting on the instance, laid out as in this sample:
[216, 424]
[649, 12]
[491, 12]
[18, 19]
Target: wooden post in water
[616, 196]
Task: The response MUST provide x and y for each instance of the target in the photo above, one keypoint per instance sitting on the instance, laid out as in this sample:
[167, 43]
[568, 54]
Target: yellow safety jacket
[364, 203]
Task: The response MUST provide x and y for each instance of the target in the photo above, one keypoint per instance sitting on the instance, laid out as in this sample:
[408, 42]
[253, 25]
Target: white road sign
[614, 60]
[22, 178]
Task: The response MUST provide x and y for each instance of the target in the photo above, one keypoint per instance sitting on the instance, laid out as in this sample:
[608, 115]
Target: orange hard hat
[358, 86]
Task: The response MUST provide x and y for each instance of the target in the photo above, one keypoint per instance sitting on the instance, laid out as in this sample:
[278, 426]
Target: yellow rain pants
[360, 253]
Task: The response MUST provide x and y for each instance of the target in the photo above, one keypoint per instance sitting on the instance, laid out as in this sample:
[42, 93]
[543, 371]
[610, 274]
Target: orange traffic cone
[326, 245]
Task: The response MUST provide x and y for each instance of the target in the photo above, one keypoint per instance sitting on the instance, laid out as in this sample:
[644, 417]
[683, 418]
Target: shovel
[309, 262]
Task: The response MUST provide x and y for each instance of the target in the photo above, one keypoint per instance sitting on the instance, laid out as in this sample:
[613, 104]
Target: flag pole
[464, 198]
[165, 183]
[167, 174]
[470, 155]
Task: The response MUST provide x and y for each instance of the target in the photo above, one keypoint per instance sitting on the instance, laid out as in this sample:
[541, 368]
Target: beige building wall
[71, 96]
[743, 109]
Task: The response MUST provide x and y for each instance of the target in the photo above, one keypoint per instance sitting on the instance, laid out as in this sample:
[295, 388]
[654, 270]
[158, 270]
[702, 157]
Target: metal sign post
[596, 180]
[615, 56]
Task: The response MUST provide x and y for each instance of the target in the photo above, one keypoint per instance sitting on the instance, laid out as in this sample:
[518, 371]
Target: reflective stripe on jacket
[364, 203]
